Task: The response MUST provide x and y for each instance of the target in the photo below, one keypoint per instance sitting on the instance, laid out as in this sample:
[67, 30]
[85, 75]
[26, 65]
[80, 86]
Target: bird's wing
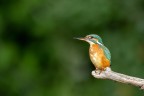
[107, 53]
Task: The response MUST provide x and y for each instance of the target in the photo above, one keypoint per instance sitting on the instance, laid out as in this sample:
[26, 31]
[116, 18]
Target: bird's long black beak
[80, 38]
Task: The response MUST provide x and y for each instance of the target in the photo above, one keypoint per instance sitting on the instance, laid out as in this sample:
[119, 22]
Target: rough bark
[111, 75]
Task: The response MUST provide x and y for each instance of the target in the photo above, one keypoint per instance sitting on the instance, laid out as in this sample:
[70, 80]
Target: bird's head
[92, 39]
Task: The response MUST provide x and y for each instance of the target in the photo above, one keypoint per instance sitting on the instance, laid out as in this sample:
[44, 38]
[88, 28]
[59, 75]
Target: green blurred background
[39, 57]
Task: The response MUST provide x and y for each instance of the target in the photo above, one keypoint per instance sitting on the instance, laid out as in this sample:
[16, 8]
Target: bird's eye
[90, 37]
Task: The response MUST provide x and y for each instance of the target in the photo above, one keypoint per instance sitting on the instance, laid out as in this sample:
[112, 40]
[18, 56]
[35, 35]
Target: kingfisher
[99, 54]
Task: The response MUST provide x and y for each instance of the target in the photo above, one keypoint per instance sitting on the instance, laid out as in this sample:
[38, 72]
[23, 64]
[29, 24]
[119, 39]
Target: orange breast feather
[98, 58]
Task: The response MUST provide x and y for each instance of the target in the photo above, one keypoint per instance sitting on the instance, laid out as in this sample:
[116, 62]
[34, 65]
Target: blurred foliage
[38, 56]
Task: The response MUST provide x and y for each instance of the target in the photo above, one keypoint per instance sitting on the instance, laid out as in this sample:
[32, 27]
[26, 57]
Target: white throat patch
[91, 43]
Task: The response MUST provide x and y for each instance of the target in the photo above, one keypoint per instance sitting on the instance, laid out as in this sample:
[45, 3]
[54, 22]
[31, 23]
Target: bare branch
[109, 74]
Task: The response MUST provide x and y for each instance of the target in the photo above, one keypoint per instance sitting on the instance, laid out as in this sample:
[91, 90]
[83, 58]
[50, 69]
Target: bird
[99, 54]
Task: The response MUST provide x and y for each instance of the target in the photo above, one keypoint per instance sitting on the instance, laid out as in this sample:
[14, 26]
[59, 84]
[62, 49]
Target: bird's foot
[98, 71]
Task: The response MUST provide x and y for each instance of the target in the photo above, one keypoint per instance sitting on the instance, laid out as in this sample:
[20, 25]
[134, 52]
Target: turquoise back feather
[107, 52]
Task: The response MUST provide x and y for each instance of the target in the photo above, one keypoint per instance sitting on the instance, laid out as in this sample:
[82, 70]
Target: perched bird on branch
[99, 54]
[101, 58]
